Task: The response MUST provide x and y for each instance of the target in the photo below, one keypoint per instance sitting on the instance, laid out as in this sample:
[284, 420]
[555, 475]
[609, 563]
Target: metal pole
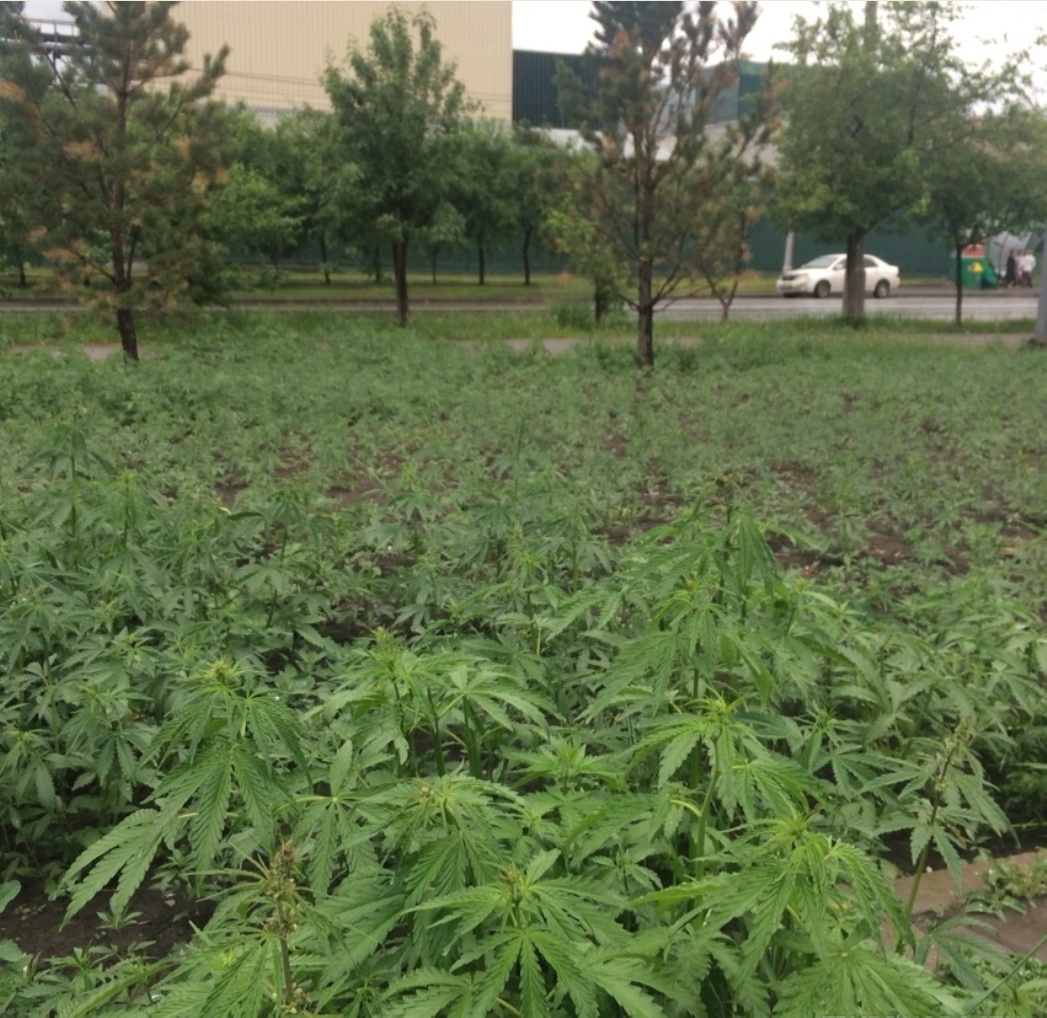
[1041, 304]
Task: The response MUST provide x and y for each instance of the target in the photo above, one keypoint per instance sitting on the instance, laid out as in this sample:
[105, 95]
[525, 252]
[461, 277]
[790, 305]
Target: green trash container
[976, 271]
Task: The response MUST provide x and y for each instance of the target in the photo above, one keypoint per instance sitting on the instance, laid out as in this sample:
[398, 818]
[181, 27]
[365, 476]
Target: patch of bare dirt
[886, 545]
[100, 351]
[161, 919]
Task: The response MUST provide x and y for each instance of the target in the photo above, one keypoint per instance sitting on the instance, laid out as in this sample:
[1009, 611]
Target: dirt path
[557, 346]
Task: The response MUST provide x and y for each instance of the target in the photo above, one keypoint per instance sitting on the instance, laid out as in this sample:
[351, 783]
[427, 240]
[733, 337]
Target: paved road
[924, 302]
[931, 302]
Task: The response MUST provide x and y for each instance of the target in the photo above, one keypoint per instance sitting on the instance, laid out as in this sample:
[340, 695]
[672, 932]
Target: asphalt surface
[930, 302]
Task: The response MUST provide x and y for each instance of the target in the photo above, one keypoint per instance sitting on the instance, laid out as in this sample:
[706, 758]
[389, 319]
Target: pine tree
[124, 150]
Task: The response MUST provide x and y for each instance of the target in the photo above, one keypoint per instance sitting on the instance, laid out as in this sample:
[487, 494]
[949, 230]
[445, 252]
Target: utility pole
[1040, 338]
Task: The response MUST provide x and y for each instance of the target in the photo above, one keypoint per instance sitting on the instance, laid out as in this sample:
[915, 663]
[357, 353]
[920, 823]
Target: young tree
[447, 230]
[17, 186]
[296, 167]
[875, 108]
[538, 168]
[661, 70]
[574, 228]
[303, 140]
[736, 180]
[17, 191]
[485, 190]
[259, 208]
[398, 115]
[122, 164]
[250, 215]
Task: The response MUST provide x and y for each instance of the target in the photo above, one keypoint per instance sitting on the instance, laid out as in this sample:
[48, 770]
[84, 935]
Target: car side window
[870, 263]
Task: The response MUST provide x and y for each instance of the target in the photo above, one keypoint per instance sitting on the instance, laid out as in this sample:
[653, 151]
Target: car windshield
[820, 263]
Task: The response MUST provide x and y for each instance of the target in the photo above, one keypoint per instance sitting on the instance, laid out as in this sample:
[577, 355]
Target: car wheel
[882, 288]
[822, 288]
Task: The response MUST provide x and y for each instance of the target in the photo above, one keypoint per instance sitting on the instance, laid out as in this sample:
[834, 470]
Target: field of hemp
[353, 671]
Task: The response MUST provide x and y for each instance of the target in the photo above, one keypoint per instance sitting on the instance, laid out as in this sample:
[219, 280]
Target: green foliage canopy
[486, 191]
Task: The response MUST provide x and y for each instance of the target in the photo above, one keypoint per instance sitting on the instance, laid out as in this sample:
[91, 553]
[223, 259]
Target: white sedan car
[824, 275]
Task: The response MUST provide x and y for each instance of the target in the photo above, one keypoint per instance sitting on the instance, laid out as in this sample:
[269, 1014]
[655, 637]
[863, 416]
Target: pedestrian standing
[1010, 276]
[1026, 266]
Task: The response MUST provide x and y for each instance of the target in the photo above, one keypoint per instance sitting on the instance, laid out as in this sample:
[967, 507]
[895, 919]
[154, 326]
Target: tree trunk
[958, 318]
[854, 279]
[605, 298]
[1041, 303]
[644, 317]
[483, 266]
[645, 337]
[727, 300]
[125, 323]
[400, 278]
[527, 256]
[323, 259]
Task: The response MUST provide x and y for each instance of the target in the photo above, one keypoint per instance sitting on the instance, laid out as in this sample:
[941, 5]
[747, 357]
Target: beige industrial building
[279, 50]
